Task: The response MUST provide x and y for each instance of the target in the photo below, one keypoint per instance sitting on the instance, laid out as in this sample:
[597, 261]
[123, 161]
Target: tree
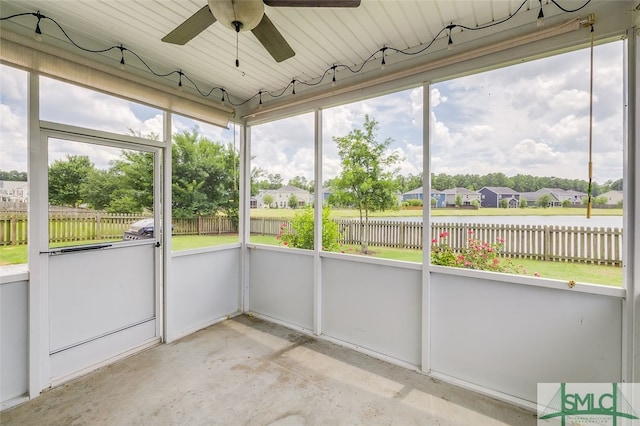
[205, 176]
[135, 183]
[100, 189]
[504, 204]
[366, 180]
[566, 203]
[66, 178]
[544, 201]
[523, 204]
[302, 183]
[293, 201]
[268, 200]
[458, 201]
[13, 175]
[600, 200]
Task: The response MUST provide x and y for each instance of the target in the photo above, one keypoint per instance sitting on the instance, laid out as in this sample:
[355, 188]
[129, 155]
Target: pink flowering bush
[476, 254]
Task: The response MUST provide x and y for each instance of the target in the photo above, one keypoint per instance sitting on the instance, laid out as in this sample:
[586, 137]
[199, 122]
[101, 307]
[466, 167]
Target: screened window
[372, 171]
[205, 184]
[14, 191]
[510, 164]
[282, 185]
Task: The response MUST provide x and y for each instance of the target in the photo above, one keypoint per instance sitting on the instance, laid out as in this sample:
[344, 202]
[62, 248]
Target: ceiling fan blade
[190, 28]
[312, 3]
[272, 40]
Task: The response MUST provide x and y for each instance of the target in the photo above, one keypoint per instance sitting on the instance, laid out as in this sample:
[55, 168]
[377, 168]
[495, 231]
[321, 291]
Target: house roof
[459, 191]
[500, 190]
[10, 185]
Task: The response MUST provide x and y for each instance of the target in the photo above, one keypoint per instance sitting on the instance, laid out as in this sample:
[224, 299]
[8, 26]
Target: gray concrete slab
[246, 371]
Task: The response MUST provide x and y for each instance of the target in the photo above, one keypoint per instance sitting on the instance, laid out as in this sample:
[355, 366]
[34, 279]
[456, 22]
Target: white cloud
[13, 140]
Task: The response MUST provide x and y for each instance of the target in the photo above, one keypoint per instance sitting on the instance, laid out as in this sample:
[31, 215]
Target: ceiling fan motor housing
[229, 12]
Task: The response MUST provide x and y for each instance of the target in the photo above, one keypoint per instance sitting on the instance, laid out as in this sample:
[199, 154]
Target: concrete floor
[245, 371]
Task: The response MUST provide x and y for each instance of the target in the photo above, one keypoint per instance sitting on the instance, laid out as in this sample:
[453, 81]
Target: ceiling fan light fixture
[248, 13]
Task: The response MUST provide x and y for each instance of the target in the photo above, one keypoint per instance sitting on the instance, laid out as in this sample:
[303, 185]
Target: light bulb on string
[450, 42]
[260, 97]
[540, 21]
[333, 81]
[38, 35]
[222, 99]
[293, 84]
[382, 65]
[180, 81]
[122, 63]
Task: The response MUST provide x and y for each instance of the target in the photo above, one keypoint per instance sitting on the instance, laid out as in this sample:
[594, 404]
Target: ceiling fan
[247, 15]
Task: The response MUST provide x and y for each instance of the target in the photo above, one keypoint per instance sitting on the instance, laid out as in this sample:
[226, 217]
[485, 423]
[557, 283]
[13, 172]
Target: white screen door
[103, 248]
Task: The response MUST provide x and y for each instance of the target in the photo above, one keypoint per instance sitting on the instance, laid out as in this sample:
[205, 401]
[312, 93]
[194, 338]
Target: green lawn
[597, 274]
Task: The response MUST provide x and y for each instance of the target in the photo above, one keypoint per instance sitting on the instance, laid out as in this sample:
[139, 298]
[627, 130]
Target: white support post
[426, 228]
[318, 205]
[38, 237]
[166, 175]
[244, 220]
[631, 311]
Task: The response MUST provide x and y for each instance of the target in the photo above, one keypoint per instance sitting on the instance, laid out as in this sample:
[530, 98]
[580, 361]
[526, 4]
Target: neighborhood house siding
[282, 195]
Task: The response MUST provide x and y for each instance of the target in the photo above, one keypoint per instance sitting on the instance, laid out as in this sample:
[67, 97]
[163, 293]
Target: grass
[596, 274]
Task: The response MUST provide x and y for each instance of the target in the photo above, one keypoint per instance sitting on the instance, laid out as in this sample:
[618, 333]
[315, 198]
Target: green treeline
[204, 180]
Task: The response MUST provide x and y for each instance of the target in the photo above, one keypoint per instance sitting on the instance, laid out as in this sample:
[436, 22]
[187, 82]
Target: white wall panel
[281, 285]
[67, 364]
[508, 337]
[202, 288]
[99, 291]
[373, 306]
[14, 343]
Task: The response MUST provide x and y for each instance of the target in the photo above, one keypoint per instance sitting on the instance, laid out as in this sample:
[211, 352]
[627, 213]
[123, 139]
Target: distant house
[491, 196]
[414, 194]
[466, 196]
[326, 192]
[557, 195]
[613, 197]
[282, 195]
[14, 191]
[437, 197]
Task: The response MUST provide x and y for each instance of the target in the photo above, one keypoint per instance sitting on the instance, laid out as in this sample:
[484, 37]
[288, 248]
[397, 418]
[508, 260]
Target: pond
[593, 222]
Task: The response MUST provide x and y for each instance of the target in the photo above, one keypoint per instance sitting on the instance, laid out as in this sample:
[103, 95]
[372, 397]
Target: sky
[531, 118]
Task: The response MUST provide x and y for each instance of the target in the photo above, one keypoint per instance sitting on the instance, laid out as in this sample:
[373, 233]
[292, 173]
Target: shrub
[475, 255]
[302, 229]
[414, 202]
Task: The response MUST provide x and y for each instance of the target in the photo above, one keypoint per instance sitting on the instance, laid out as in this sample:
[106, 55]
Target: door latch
[157, 243]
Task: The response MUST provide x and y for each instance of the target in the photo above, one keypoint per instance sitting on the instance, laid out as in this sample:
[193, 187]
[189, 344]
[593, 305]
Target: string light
[222, 100]
[293, 83]
[122, 64]
[540, 21]
[38, 35]
[319, 80]
[450, 42]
